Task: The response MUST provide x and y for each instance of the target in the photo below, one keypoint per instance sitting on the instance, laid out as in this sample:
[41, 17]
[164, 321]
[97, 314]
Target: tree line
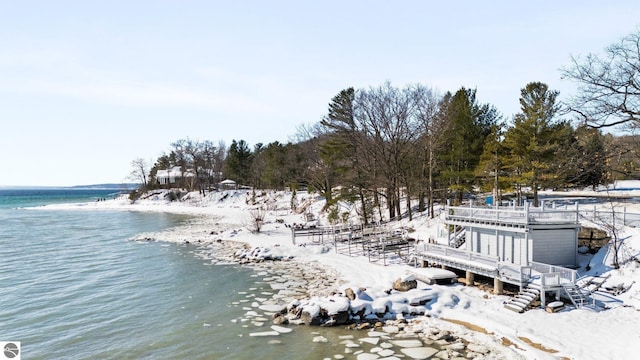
[384, 145]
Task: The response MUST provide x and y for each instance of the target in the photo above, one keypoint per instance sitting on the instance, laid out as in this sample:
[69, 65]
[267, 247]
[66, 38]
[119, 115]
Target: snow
[609, 331]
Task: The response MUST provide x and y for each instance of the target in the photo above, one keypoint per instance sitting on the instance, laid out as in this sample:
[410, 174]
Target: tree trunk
[431, 211]
[409, 205]
[391, 205]
[363, 202]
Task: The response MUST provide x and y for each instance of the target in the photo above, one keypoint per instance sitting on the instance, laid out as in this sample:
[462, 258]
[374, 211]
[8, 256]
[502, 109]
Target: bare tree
[608, 84]
[180, 154]
[612, 222]
[386, 117]
[219, 156]
[432, 129]
[256, 217]
[139, 171]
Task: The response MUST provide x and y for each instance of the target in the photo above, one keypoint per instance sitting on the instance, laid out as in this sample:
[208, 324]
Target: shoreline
[314, 279]
[575, 333]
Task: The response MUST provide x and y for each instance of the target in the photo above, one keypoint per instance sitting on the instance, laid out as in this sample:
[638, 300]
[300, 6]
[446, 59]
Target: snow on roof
[176, 170]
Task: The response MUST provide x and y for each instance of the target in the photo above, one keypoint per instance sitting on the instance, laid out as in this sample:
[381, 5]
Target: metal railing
[461, 255]
[564, 274]
[611, 217]
[514, 272]
[512, 215]
[550, 280]
[548, 211]
[551, 275]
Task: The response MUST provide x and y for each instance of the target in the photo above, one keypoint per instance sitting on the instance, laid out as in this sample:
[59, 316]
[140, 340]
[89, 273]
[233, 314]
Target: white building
[172, 176]
[518, 236]
[516, 245]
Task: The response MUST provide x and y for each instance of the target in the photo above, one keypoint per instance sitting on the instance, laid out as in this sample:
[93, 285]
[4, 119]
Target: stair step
[528, 296]
[524, 302]
[512, 307]
[577, 297]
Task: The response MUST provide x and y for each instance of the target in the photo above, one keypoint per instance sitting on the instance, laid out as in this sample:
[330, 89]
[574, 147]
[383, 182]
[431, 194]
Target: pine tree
[469, 125]
[492, 161]
[582, 162]
[238, 162]
[532, 140]
[342, 150]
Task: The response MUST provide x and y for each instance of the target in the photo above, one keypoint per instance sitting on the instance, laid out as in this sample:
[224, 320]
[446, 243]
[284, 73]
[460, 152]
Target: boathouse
[516, 235]
[525, 246]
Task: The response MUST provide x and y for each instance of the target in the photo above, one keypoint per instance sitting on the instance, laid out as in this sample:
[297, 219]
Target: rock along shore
[307, 292]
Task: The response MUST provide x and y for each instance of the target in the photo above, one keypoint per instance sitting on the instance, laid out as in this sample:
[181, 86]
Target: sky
[86, 87]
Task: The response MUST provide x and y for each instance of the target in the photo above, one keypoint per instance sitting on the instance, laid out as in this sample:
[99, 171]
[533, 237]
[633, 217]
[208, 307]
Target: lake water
[73, 286]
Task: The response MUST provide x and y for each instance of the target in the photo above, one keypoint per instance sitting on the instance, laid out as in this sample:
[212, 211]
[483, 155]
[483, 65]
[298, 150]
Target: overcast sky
[88, 86]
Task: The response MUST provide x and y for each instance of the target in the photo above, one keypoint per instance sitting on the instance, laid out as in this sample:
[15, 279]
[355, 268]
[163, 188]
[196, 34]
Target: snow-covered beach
[221, 226]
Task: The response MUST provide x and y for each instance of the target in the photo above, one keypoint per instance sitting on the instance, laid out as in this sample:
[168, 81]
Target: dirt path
[505, 341]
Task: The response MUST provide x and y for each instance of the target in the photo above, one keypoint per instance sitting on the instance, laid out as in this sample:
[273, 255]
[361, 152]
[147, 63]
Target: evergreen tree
[492, 161]
[469, 125]
[274, 165]
[584, 163]
[532, 140]
[238, 162]
[342, 150]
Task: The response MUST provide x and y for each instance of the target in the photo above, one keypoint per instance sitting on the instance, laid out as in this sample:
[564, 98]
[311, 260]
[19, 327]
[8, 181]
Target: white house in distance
[175, 175]
[172, 176]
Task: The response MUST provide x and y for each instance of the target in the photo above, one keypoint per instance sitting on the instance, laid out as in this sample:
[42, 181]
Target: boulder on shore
[350, 294]
[405, 284]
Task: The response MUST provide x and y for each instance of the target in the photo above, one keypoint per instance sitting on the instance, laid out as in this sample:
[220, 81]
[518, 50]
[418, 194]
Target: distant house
[172, 176]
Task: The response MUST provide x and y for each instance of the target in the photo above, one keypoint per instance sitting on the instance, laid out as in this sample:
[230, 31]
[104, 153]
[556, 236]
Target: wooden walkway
[376, 242]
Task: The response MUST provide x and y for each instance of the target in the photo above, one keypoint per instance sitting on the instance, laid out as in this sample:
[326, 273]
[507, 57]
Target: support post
[470, 278]
[498, 286]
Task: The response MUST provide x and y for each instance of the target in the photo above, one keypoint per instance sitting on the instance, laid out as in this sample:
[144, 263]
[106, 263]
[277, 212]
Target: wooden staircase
[459, 237]
[521, 302]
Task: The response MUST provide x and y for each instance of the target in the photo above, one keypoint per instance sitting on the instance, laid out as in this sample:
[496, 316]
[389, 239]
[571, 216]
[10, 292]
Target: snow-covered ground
[610, 331]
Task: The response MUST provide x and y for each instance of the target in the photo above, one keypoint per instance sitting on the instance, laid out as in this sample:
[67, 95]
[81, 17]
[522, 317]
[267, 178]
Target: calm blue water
[72, 286]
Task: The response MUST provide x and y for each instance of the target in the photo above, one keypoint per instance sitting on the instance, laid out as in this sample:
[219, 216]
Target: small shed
[228, 184]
